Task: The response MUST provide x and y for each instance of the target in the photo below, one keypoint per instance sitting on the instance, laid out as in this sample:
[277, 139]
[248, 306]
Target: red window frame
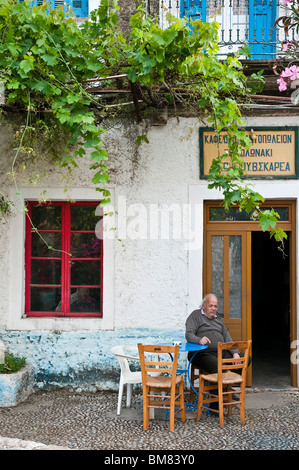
[66, 259]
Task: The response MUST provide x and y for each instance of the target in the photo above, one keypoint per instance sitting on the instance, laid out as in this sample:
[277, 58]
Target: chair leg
[182, 402]
[220, 402]
[129, 395]
[172, 409]
[120, 396]
[200, 398]
[192, 382]
[242, 404]
[146, 392]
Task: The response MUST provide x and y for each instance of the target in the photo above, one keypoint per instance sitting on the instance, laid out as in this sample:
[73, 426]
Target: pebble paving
[88, 421]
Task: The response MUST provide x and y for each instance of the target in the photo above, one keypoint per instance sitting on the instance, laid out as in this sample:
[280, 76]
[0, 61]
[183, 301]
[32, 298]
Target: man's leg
[208, 362]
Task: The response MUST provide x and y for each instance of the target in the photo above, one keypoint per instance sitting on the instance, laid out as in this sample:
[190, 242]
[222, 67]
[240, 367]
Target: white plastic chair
[127, 377]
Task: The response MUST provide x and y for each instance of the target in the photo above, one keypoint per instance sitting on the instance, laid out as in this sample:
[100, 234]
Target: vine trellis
[79, 76]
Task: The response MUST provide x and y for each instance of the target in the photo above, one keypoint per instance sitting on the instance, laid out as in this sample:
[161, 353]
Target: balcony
[241, 22]
[78, 7]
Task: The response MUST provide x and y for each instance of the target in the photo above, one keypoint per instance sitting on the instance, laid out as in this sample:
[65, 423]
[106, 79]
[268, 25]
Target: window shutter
[194, 9]
[79, 7]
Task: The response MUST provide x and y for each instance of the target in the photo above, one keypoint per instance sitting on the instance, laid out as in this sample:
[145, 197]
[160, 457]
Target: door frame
[246, 227]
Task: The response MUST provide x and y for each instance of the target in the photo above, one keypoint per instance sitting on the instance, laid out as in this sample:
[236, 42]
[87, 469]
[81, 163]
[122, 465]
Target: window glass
[46, 217]
[219, 214]
[63, 260]
[235, 277]
[45, 271]
[84, 218]
[41, 243]
[85, 245]
[85, 273]
[44, 299]
[218, 270]
[84, 299]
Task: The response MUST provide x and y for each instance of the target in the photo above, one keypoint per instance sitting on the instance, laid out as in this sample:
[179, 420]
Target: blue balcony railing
[241, 22]
[78, 7]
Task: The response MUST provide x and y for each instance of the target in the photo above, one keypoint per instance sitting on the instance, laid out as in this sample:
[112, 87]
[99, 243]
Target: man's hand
[236, 356]
[204, 340]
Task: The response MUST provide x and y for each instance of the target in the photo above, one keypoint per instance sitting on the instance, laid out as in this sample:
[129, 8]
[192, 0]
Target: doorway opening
[270, 312]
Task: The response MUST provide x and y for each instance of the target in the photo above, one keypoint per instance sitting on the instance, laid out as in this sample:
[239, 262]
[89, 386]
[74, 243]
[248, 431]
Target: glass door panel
[226, 278]
[217, 266]
[235, 276]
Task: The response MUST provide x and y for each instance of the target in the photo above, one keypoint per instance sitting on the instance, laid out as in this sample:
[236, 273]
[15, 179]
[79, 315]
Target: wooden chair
[224, 380]
[154, 385]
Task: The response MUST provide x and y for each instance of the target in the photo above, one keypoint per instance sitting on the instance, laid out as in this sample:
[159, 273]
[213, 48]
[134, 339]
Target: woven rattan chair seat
[228, 377]
[162, 381]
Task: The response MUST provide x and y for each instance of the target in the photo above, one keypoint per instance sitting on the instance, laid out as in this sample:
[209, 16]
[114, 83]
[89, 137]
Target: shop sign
[272, 152]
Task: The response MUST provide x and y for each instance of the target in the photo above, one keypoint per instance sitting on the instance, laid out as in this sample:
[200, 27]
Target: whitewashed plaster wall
[151, 284]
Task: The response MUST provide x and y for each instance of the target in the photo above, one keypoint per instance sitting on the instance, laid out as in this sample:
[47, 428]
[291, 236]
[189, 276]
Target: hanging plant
[50, 66]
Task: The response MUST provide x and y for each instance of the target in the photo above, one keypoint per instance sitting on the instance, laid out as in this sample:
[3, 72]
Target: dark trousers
[207, 360]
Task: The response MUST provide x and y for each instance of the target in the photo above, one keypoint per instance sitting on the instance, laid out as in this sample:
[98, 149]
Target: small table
[191, 347]
[188, 347]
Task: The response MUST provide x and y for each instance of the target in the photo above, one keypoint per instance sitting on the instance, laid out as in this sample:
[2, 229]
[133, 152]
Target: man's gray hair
[204, 300]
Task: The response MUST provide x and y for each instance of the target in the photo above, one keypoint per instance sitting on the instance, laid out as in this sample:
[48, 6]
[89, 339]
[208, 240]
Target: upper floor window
[63, 260]
[241, 22]
[78, 7]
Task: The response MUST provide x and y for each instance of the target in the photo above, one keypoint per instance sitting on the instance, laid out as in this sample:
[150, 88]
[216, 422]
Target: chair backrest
[158, 359]
[123, 356]
[226, 364]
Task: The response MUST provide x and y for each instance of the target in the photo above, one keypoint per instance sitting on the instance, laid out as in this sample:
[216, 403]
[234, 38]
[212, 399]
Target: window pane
[213, 7]
[85, 245]
[235, 277]
[39, 247]
[84, 218]
[45, 271]
[220, 215]
[85, 300]
[46, 217]
[85, 273]
[44, 299]
[218, 270]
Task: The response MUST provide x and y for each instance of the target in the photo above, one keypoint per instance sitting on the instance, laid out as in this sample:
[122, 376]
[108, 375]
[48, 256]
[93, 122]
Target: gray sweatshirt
[199, 325]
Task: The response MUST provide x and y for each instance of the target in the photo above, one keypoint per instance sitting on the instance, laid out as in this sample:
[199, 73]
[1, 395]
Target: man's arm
[192, 324]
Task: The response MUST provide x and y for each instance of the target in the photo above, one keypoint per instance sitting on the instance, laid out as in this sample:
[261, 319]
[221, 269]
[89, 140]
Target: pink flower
[282, 84]
[290, 72]
[285, 46]
[295, 71]
[286, 73]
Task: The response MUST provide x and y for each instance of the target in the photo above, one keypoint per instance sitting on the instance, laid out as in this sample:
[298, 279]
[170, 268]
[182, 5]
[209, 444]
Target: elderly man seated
[205, 326]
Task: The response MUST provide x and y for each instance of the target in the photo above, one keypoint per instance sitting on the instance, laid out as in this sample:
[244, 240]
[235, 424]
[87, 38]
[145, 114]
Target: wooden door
[228, 278]
[227, 266]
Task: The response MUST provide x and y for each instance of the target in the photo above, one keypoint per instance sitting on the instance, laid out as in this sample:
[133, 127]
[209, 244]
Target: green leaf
[49, 59]
[100, 178]
[92, 141]
[41, 85]
[27, 64]
[268, 220]
[99, 155]
[142, 138]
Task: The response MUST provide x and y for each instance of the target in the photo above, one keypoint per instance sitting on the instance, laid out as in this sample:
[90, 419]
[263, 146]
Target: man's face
[211, 306]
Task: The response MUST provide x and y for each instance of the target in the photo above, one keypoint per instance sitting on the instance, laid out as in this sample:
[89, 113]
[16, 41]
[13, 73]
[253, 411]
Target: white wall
[152, 279]
[153, 265]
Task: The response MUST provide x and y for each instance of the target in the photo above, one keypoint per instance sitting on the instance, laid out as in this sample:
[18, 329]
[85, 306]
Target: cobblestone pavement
[88, 421]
